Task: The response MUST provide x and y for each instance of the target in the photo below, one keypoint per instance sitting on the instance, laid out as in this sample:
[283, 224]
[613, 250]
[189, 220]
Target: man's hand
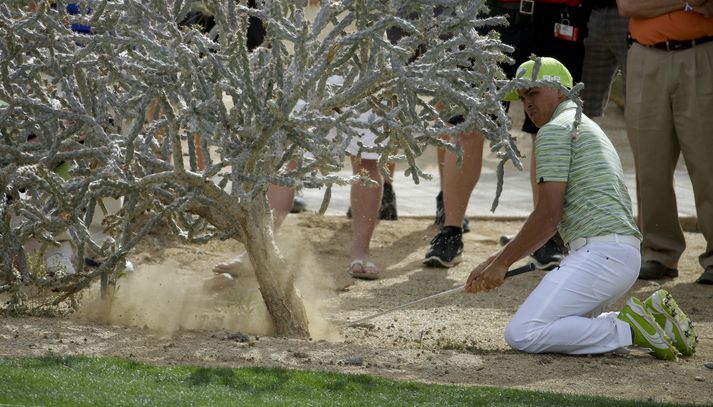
[486, 276]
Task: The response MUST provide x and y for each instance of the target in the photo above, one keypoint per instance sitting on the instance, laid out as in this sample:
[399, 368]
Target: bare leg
[152, 110]
[441, 158]
[152, 113]
[200, 158]
[365, 201]
[440, 208]
[459, 182]
[280, 200]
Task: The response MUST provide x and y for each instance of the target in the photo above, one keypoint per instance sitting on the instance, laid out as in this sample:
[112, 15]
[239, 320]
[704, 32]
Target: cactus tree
[85, 96]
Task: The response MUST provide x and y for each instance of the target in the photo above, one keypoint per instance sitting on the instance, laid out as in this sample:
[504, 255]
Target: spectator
[281, 199]
[605, 51]
[365, 204]
[669, 101]
[368, 204]
[553, 28]
[457, 183]
[394, 35]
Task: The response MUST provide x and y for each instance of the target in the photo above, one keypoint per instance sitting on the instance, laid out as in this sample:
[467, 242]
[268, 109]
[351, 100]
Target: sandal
[363, 269]
[234, 266]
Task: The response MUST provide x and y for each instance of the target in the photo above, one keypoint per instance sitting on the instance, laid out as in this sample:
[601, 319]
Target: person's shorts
[367, 138]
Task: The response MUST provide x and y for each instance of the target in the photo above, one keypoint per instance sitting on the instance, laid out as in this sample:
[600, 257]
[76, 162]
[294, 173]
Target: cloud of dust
[172, 296]
[315, 284]
[169, 297]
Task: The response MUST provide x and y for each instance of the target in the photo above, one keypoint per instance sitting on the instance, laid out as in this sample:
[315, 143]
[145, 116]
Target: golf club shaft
[460, 288]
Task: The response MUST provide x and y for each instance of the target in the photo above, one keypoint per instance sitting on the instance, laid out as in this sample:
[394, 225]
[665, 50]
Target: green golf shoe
[647, 334]
[675, 323]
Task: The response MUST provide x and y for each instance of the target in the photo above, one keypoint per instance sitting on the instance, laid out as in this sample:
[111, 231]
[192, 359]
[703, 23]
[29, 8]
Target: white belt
[583, 241]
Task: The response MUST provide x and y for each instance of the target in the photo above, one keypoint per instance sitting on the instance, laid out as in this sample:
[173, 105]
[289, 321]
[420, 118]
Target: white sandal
[364, 270]
[234, 265]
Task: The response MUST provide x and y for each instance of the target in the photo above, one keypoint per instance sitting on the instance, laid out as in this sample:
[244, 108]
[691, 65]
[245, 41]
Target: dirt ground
[170, 311]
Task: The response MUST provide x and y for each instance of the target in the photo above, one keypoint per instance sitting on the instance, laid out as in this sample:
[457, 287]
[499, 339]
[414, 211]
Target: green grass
[85, 381]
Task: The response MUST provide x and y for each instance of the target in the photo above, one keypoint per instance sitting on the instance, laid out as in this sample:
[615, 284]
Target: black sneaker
[441, 214]
[706, 277]
[653, 270]
[440, 210]
[548, 256]
[298, 205]
[466, 225]
[446, 248]
[387, 211]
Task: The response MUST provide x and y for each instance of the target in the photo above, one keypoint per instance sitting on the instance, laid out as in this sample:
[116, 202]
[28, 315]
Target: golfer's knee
[518, 336]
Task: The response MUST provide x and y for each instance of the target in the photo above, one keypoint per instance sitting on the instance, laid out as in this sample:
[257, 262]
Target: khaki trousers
[669, 112]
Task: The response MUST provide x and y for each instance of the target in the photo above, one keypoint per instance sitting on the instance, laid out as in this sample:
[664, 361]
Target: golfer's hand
[486, 276]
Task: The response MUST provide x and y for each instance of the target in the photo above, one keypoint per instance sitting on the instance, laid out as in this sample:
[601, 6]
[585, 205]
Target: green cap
[550, 70]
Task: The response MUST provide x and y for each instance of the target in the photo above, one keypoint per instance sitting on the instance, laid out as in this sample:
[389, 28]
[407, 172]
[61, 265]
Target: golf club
[522, 269]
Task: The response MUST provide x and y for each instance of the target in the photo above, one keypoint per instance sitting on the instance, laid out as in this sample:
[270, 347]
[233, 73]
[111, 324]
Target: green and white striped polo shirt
[596, 201]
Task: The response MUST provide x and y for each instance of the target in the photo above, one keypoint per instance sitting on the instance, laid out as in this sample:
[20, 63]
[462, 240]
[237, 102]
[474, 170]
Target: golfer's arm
[651, 8]
[539, 226]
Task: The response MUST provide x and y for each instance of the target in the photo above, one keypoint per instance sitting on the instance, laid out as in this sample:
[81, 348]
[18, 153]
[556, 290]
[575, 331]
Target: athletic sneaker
[466, 224]
[446, 248]
[387, 210]
[298, 205]
[440, 210]
[647, 334]
[441, 214]
[675, 323]
[546, 257]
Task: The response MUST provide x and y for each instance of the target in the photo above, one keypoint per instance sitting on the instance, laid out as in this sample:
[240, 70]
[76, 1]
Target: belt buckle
[527, 7]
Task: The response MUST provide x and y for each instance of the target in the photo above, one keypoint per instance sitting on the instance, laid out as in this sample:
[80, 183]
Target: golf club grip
[522, 269]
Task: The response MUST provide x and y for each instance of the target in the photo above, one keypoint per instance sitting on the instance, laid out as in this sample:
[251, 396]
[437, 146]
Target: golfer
[583, 196]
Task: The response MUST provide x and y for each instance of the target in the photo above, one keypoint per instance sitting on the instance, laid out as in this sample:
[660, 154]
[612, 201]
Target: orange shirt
[677, 25]
[571, 3]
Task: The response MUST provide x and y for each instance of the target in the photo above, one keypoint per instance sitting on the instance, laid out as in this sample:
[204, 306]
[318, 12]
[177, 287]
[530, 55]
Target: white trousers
[557, 315]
